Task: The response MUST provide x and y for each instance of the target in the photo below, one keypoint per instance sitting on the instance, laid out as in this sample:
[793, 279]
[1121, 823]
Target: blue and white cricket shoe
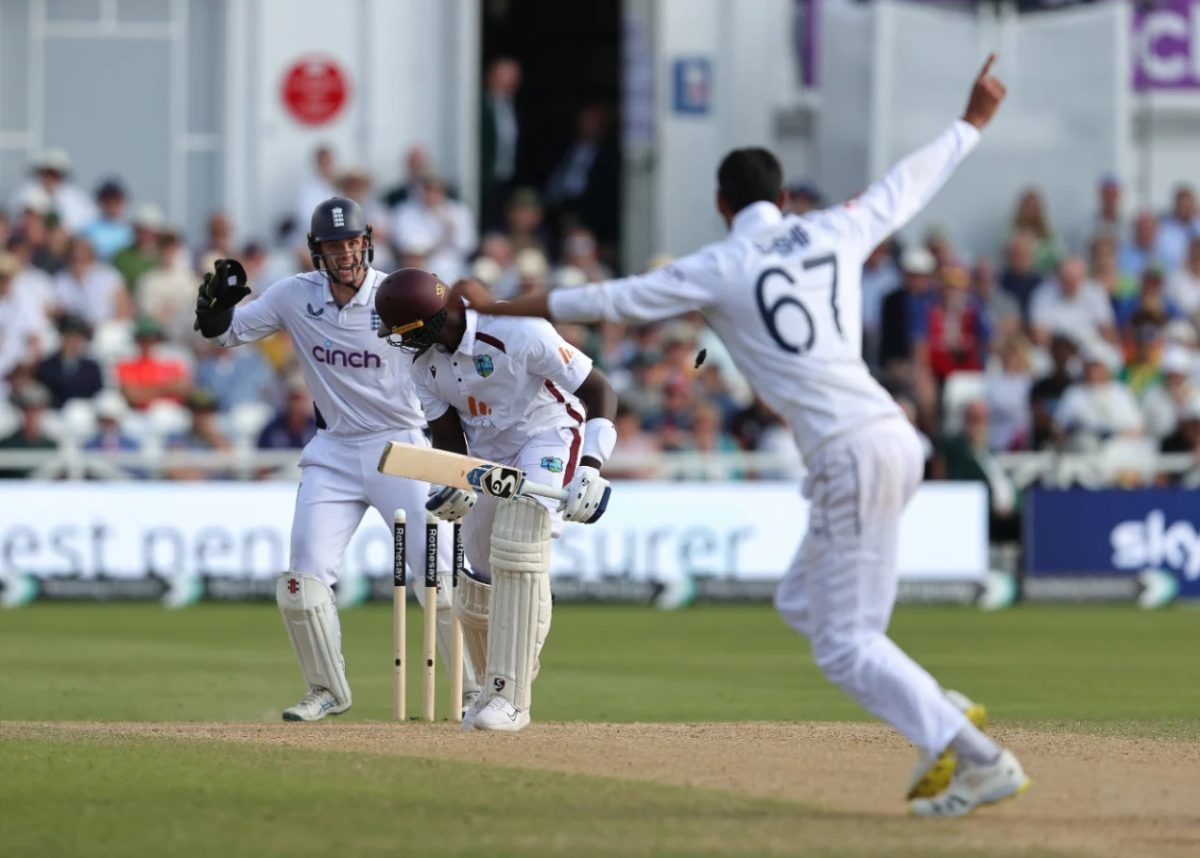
[318, 703]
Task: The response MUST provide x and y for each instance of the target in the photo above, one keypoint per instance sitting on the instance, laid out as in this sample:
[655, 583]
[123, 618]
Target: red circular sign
[315, 90]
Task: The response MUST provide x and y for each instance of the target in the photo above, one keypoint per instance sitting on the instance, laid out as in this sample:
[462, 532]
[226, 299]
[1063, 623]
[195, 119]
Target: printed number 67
[769, 312]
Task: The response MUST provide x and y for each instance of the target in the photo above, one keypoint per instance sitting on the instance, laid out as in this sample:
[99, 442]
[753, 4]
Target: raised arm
[909, 186]
[222, 289]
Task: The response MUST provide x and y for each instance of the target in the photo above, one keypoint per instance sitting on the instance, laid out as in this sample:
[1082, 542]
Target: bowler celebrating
[784, 294]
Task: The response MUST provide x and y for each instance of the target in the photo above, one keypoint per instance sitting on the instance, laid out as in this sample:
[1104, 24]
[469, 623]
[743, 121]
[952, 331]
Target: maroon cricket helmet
[411, 304]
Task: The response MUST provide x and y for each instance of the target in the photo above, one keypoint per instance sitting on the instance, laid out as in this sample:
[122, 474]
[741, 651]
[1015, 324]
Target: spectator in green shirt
[141, 256]
[32, 399]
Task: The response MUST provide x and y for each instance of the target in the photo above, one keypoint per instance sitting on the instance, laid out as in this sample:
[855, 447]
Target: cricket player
[515, 392]
[364, 397]
[784, 294]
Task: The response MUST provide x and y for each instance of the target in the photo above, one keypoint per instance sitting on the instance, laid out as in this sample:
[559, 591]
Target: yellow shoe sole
[938, 777]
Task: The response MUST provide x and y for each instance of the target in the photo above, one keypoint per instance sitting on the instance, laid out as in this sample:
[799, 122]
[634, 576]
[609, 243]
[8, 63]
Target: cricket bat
[463, 472]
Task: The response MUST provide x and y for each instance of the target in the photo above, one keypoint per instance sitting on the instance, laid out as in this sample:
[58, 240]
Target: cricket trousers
[339, 482]
[841, 586]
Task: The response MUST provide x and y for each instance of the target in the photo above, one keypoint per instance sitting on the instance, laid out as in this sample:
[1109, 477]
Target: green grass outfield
[1096, 669]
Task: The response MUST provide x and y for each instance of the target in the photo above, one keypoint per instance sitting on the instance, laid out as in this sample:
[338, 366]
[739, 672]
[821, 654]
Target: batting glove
[587, 497]
[449, 503]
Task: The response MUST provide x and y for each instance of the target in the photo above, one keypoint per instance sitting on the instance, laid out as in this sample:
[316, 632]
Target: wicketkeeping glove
[449, 503]
[587, 497]
[222, 288]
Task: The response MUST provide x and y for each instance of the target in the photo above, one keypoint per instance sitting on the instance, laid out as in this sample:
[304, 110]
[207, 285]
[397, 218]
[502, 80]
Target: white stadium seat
[247, 420]
[78, 419]
[113, 341]
[165, 418]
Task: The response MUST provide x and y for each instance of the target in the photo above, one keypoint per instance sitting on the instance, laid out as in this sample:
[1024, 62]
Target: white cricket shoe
[500, 715]
[975, 785]
[471, 712]
[318, 703]
[932, 774]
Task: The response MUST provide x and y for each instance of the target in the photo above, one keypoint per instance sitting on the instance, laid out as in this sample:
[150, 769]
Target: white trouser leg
[387, 494]
[841, 587]
[329, 507]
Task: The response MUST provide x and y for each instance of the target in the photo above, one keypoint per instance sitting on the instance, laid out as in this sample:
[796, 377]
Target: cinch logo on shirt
[337, 357]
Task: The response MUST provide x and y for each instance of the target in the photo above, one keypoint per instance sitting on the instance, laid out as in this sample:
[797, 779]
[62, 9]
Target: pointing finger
[987, 65]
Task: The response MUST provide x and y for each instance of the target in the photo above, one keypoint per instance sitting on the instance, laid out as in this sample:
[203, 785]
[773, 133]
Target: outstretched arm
[475, 293]
[689, 283]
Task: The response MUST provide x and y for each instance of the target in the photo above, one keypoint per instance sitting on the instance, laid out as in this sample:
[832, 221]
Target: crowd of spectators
[1048, 347]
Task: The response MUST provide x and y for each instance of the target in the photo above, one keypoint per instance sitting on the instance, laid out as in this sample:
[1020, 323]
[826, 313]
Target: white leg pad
[310, 617]
[520, 561]
[474, 603]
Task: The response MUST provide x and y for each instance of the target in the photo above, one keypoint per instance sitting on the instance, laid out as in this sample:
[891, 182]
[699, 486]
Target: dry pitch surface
[1092, 794]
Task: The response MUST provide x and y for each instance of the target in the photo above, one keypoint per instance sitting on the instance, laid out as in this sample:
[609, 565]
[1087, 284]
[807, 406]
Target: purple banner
[1166, 45]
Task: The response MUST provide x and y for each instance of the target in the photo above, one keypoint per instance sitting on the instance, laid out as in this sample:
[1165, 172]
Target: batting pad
[520, 561]
[474, 601]
[310, 617]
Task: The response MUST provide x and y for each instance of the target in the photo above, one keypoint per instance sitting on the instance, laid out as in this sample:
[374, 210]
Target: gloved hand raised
[222, 288]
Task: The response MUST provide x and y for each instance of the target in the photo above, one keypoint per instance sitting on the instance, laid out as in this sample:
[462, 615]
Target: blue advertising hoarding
[1118, 533]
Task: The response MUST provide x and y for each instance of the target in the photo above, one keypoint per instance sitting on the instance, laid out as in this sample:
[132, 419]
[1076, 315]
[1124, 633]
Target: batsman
[515, 392]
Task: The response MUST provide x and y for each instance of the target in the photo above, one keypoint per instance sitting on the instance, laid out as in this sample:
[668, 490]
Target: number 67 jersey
[784, 294]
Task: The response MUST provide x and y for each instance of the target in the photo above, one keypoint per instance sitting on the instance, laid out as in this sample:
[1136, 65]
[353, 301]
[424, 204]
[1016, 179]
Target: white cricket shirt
[360, 384]
[785, 294]
[509, 379]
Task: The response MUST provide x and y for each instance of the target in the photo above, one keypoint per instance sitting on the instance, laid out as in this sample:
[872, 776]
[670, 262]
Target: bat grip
[557, 493]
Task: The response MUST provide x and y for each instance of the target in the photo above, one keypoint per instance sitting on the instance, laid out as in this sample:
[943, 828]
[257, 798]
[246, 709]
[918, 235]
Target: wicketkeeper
[364, 397]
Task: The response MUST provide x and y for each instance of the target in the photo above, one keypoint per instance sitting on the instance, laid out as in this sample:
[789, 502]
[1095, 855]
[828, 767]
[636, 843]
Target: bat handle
[553, 492]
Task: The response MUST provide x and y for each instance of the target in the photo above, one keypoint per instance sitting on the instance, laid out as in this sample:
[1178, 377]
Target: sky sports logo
[326, 354]
[1155, 542]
